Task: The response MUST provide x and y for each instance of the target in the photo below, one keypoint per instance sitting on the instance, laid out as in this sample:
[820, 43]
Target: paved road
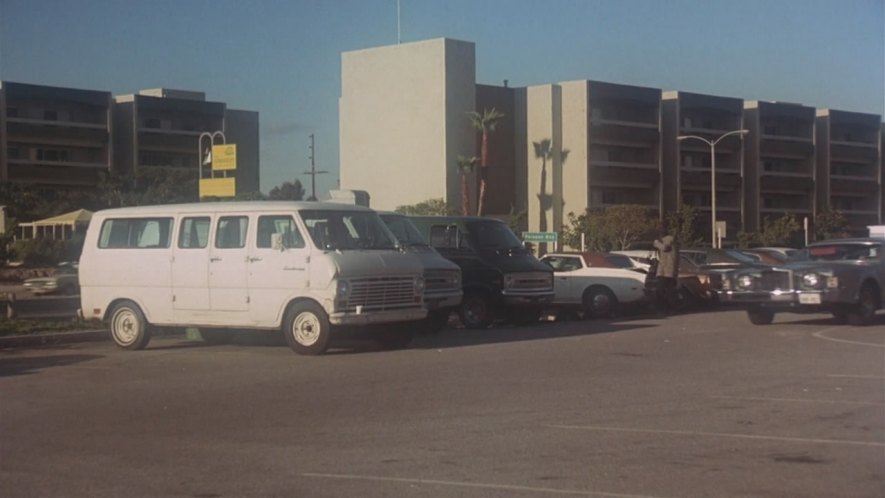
[693, 405]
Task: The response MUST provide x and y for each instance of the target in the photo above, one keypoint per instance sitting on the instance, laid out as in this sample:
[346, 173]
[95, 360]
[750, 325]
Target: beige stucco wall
[544, 122]
[575, 135]
[403, 120]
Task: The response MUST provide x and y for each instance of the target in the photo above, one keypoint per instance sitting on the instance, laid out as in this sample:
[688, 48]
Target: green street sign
[540, 236]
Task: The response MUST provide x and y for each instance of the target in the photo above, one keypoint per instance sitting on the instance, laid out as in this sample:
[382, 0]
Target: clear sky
[282, 58]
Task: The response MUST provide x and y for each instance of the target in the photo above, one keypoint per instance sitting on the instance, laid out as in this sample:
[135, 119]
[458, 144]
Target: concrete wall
[544, 157]
[403, 120]
[575, 139]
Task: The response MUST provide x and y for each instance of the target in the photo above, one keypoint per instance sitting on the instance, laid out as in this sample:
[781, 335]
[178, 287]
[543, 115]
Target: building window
[53, 155]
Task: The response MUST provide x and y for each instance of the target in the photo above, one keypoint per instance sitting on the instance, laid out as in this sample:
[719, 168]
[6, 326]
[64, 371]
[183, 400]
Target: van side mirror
[276, 242]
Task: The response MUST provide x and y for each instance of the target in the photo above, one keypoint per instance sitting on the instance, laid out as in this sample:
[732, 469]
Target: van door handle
[212, 260]
[252, 260]
[293, 268]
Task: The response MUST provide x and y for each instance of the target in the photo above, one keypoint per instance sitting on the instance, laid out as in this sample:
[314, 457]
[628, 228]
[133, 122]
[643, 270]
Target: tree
[682, 225]
[430, 207]
[485, 122]
[613, 228]
[626, 224]
[830, 224]
[782, 231]
[466, 165]
[288, 191]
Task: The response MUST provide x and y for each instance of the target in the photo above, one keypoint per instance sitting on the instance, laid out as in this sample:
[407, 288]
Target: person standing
[667, 272]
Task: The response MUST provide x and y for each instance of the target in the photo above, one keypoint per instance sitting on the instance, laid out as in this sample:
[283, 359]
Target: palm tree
[484, 122]
[466, 166]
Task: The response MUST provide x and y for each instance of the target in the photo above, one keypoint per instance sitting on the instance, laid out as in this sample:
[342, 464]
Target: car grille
[437, 281]
[531, 281]
[382, 293]
[772, 280]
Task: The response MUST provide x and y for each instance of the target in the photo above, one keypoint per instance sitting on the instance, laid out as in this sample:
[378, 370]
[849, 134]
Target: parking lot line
[849, 376]
[799, 400]
[820, 335]
[720, 434]
[477, 485]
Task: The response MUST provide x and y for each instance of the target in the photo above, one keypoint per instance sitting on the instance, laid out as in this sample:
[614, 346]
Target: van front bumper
[371, 317]
[512, 299]
[443, 301]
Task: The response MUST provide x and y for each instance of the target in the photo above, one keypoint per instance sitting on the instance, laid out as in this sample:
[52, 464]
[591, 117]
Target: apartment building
[779, 162]
[565, 147]
[54, 136]
[403, 121]
[687, 162]
[849, 165]
[161, 128]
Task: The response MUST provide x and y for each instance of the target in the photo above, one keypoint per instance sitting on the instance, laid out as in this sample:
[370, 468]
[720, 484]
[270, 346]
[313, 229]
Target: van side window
[447, 237]
[231, 232]
[194, 233]
[135, 233]
[281, 224]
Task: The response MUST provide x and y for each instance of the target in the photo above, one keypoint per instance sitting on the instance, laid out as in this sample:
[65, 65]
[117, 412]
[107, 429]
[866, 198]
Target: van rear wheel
[128, 327]
[307, 329]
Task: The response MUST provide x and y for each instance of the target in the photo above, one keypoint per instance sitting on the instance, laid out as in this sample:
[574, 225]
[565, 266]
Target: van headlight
[508, 280]
[811, 279]
[342, 289]
[745, 281]
[419, 284]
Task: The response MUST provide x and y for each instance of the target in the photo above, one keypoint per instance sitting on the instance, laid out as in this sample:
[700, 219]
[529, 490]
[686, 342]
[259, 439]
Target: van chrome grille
[382, 293]
[531, 281]
[775, 280]
[436, 281]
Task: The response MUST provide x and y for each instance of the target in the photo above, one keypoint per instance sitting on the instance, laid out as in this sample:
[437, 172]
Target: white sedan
[586, 281]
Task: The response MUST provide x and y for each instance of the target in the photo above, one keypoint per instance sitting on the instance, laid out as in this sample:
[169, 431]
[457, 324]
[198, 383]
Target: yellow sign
[224, 157]
[218, 187]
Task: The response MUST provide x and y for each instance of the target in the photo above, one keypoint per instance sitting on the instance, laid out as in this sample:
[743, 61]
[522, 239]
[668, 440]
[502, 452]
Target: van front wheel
[307, 329]
[128, 327]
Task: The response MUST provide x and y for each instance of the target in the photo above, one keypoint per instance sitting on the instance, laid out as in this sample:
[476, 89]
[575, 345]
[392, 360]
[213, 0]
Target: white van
[308, 268]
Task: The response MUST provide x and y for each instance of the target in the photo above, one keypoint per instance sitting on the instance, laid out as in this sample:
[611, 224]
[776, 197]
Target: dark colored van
[501, 278]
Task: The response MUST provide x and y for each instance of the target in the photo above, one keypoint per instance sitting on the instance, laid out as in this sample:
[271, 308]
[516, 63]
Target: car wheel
[599, 302]
[307, 329]
[128, 327]
[862, 312]
[475, 311]
[760, 316]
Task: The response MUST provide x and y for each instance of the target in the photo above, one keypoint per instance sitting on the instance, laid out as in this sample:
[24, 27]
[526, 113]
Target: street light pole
[712, 144]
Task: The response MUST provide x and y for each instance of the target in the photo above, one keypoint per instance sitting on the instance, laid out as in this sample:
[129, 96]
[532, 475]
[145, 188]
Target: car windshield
[842, 252]
[618, 261]
[404, 230]
[493, 236]
[347, 230]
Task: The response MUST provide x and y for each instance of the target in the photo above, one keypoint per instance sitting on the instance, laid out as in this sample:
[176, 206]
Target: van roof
[232, 207]
[454, 219]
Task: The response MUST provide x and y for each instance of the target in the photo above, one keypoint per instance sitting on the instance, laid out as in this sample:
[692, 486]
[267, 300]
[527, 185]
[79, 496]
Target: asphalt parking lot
[700, 404]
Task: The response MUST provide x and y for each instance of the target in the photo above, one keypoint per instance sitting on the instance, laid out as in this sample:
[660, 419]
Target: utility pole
[313, 172]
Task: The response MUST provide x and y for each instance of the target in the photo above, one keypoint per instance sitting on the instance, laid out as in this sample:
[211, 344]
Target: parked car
[594, 289]
[844, 277]
[442, 278]
[63, 280]
[501, 278]
[642, 258]
[769, 255]
[696, 286]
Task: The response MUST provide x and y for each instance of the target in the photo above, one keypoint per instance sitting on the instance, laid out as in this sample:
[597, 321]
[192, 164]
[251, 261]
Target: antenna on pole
[313, 172]
[399, 38]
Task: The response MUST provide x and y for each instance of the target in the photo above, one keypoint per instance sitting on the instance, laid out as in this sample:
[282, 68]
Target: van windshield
[404, 230]
[494, 236]
[347, 230]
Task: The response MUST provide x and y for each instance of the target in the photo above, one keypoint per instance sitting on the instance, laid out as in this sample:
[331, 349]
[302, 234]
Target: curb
[32, 340]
